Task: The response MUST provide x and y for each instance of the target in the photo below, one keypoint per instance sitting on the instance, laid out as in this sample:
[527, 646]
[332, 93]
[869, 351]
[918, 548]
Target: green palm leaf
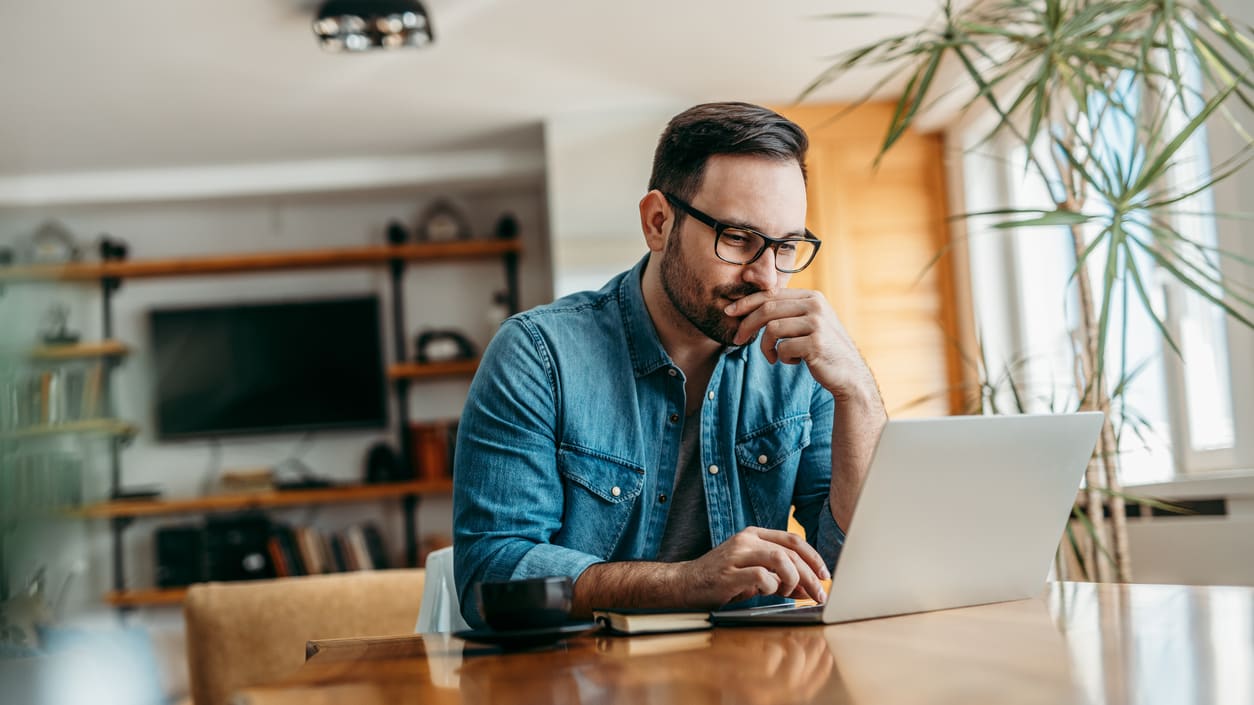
[1134, 274]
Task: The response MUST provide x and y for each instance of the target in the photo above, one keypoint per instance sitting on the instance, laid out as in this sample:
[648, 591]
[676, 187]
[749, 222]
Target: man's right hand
[752, 563]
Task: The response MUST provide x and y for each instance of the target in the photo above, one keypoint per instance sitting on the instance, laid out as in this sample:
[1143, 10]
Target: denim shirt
[569, 439]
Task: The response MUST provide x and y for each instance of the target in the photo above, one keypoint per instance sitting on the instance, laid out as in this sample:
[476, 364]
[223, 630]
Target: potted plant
[1053, 73]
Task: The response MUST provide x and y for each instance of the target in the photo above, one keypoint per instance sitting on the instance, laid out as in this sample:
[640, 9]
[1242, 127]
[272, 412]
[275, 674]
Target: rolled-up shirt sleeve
[507, 491]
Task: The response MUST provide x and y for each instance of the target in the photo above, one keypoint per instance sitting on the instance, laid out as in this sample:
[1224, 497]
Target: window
[1180, 413]
[1206, 431]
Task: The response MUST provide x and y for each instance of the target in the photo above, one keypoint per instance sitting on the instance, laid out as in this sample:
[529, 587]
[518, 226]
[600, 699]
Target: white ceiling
[103, 85]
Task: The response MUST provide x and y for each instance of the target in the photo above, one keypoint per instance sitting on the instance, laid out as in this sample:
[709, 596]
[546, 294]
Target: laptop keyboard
[807, 610]
[781, 609]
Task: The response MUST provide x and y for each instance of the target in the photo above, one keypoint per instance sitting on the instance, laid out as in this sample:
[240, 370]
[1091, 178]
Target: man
[649, 439]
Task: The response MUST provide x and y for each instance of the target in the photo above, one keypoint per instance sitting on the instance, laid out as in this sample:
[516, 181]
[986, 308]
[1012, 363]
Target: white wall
[1196, 550]
[598, 164]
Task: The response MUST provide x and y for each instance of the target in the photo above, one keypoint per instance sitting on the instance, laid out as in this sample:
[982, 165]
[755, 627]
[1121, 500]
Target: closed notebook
[643, 621]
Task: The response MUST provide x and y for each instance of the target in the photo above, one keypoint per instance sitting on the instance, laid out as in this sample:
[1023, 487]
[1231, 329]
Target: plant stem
[1103, 467]
[1118, 509]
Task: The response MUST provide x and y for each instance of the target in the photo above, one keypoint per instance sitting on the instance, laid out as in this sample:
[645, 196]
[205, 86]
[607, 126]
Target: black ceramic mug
[534, 603]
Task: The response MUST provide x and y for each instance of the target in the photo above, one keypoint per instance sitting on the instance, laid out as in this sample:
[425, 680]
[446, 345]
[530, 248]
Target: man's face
[766, 195]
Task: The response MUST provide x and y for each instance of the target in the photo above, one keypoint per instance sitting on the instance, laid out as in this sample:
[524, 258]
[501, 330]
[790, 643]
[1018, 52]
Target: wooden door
[881, 229]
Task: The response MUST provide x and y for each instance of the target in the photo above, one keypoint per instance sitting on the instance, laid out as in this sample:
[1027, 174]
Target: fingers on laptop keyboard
[802, 561]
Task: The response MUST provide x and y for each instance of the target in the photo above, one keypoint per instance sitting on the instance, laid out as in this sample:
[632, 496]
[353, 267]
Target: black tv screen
[268, 367]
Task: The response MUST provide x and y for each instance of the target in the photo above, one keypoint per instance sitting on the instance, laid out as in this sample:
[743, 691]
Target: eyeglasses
[738, 245]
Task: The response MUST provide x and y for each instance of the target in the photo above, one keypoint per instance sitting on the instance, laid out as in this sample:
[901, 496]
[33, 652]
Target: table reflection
[1006, 653]
[725, 666]
[1079, 643]
[1011, 652]
[1153, 644]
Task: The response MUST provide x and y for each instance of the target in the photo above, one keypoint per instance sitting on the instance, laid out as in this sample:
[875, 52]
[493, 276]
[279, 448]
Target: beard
[683, 288]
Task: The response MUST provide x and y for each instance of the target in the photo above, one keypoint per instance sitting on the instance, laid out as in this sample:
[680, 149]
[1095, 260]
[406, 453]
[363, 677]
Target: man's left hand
[799, 324]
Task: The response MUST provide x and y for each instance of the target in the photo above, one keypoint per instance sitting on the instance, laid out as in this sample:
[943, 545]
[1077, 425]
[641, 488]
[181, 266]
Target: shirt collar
[643, 343]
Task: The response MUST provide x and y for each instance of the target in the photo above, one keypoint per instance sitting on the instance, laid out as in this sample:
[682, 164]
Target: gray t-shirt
[687, 534]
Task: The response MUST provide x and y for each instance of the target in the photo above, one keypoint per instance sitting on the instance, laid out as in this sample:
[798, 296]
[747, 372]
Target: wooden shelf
[101, 348]
[258, 500]
[329, 258]
[106, 273]
[107, 427]
[433, 370]
[149, 597]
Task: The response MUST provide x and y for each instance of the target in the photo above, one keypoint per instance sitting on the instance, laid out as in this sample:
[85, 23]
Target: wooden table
[1078, 643]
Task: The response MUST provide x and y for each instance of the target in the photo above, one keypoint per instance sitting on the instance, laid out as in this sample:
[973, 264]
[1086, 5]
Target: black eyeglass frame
[767, 241]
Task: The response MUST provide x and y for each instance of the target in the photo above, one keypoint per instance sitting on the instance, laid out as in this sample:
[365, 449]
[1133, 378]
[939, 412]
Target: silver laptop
[955, 511]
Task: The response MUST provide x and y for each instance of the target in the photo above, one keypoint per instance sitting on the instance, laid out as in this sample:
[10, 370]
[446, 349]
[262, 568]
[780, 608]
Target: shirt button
[661, 499]
[713, 469]
[671, 372]
[616, 491]
[762, 460]
[674, 418]
[711, 396]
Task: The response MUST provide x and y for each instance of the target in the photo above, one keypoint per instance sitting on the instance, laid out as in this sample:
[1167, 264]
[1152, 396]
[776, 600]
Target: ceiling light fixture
[362, 25]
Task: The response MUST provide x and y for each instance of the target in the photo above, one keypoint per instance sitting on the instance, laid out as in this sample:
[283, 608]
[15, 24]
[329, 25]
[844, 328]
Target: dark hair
[702, 131]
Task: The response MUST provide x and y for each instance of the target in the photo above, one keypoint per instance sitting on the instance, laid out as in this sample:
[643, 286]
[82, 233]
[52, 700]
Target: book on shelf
[278, 558]
[339, 549]
[334, 554]
[307, 550]
[305, 543]
[291, 551]
[73, 388]
[50, 396]
[646, 621]
[374, 547]
[48, 387]
[93, 385]
[355, 540]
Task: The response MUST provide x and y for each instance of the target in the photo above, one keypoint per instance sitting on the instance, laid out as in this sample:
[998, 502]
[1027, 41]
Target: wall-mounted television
[270, 367]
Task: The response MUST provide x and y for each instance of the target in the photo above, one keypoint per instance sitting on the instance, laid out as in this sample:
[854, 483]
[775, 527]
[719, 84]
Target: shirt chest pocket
[768, 458]
[600, 494]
